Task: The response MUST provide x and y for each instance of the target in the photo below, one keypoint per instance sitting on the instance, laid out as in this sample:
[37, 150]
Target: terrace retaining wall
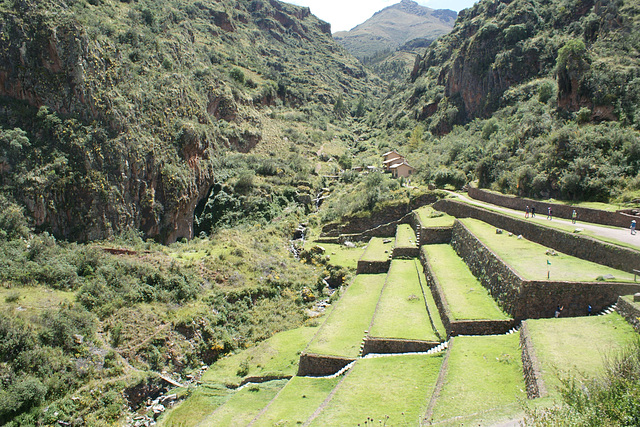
[406, 252]
[616, 219]
[531, 366]
[373, 267]
[583, 247]
[524, 299]
[355, 225]
[316, 365]
[429, 235]
[394, 346]
[460, 327]
[630, 312]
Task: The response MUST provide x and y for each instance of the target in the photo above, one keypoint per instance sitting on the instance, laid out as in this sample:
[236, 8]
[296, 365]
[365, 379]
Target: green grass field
[569, 228]
[377, 250]
[392, 391]
[577, 344]
[27, 301]
[278, 355]
[429, 217]
[342, 332]
[243, 406]
[530, 260]
[340, 255]
[297, 401]
[467, 298]
[405, 236]
[483, 383]
[401, 310]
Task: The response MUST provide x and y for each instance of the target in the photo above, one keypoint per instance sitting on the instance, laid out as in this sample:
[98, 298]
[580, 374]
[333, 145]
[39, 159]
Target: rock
[158, 409]
[608, 277]
[636, 297]
[510, 234]
[349, 244]
[387, 241]
[519, 236]
[578, 230]
[498, 231]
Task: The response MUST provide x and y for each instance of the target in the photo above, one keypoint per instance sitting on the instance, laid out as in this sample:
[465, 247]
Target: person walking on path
[574, 216]
[533, 211]
[633, 227]
[549, 213]
[526, 212]
[558, 311]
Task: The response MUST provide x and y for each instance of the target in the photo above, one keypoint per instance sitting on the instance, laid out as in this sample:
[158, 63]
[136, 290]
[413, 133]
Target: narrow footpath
[611, 234]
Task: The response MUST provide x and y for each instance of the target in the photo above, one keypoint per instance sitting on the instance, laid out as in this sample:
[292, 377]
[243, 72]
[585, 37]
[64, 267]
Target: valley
[197, 226]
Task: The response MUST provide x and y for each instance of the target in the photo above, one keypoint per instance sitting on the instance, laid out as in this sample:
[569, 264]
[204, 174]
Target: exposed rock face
[136, 114]
[497, 45]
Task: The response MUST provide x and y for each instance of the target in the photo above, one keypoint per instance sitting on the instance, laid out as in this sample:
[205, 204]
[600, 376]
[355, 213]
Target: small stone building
[403, 169]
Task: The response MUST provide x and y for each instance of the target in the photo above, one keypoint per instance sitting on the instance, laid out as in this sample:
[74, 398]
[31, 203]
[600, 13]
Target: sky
[343, 15]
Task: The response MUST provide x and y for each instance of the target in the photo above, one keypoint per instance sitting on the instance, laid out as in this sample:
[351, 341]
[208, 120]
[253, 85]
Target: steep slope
[112, 112]
[496, 45]
[394, 26]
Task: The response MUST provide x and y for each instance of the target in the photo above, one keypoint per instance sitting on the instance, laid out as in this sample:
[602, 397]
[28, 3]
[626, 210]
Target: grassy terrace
[530, 260]
[429, 217]
[405, 236]
[279, 355]
[243, 406]
[395, 387]
[342, 332]
[467, 298]
[569, 228]
[297, 401]
[483, 383]
[340, 255]
[401, 310]
[377, 250]
[576, 343]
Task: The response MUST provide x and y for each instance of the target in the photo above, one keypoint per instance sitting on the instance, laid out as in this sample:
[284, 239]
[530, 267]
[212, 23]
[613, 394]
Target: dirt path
[621, 235]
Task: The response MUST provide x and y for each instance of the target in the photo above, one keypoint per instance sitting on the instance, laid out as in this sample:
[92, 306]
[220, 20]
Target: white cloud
[345, 14]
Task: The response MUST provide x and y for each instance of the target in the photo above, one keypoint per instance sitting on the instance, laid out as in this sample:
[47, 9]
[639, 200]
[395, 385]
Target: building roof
[390, 152]
[404, 162]
[401, 159]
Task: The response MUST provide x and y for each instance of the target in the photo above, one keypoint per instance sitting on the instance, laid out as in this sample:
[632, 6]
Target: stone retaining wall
[394, 346]
[530, 365]
[354, 224]
[532, 299]
[582, 247]
[434, 236]
[373, 267]
[406, 252]
[315, 365]
[630, 311]
[616, 219]
[460, 327]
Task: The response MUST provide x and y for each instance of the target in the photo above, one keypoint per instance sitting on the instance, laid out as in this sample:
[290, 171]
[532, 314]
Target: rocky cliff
[123, 105]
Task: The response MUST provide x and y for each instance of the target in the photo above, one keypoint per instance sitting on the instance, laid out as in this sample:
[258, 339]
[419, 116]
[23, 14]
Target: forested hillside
[529, 97]
[113, 112]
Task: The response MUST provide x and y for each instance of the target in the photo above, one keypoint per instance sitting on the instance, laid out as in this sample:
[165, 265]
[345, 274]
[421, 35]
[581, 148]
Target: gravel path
[622, 235]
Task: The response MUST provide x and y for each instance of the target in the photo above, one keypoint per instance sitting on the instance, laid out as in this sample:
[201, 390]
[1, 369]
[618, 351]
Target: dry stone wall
[460, 327]
[394, 346]
[572, 244]
[630, 311]
[531, 366]
[616, 219]
[532, 299]
[373, 267]
[316, 365]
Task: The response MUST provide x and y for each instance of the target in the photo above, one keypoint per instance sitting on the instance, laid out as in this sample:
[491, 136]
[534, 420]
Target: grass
[340, 255]
[389, 390]
[342, 332]
[540, 219]
[32, 300]
[483, 383]
[530, 260]
[401, 310]
[467, 298]
[405, 236]
[577, 344]
[205, 400]
[377, 250]
[278, 355]
[244, 405]
[297, 401]
[429, 217]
